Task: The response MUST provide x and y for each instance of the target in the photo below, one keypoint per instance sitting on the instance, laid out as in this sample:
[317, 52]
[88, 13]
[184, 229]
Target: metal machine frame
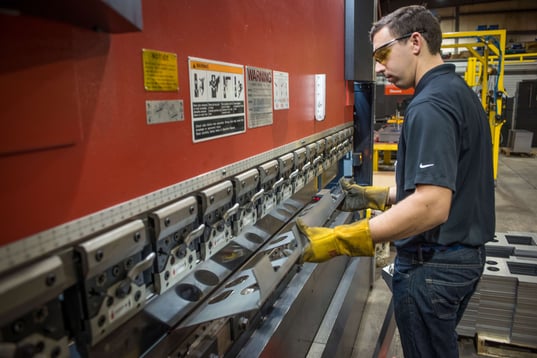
[207, 266]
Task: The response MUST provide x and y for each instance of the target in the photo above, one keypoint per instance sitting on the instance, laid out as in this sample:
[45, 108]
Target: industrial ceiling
[387, 6]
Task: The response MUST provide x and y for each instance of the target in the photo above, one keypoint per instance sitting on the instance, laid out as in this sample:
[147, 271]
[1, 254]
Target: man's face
[393, 58]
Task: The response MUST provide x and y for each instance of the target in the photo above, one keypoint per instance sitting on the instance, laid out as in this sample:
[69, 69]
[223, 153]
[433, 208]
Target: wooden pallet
[508, 152]
[494, 347]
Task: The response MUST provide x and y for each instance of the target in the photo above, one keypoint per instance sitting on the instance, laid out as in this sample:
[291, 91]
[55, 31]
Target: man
[444, 192]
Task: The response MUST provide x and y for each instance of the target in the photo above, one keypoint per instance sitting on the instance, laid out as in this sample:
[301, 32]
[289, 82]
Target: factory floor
[516, 210]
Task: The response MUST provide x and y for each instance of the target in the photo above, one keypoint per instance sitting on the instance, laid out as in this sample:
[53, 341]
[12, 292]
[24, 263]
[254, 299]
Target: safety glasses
[383, 51]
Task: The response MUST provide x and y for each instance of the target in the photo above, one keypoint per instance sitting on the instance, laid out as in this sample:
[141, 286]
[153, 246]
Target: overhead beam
[391, 5]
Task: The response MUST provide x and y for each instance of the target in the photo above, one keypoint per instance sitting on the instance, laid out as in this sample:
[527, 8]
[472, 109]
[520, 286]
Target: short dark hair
[409, 19]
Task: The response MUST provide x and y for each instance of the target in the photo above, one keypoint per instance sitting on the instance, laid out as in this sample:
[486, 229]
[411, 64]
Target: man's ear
[418, 43]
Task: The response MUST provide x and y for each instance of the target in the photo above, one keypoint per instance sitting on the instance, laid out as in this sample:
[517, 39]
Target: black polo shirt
[446, 141]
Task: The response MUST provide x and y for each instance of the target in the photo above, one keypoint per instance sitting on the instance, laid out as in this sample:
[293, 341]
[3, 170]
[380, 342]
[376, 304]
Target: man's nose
[379, 68]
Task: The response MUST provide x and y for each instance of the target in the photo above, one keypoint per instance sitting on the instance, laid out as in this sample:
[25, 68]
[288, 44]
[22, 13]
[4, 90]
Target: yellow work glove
[362, 197]
[324, 243]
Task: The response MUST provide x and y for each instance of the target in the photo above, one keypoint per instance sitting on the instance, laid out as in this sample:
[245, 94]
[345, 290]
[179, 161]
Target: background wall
[516, 16]
[73, 132]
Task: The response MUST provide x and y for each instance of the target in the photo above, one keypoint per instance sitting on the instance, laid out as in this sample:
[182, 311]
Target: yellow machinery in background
[483, 47]
[396, 119]
[485, 71]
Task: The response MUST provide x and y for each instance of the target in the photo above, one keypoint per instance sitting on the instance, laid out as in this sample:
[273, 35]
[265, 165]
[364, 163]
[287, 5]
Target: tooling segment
[31, 318]
[248, 195]
[298, 176]
[309, 168]
[318, 162]
[268, 173]
[176, 232]
[330, 152]
[114, 286]
[218, 211]
[286, 165]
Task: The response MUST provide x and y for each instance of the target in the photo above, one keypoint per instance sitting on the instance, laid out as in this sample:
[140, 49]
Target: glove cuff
[355, 239]
[358, 197]
[377, 197]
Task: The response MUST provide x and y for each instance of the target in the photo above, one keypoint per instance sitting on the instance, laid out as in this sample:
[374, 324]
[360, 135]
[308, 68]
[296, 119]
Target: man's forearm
[425, 209]
[392, 196]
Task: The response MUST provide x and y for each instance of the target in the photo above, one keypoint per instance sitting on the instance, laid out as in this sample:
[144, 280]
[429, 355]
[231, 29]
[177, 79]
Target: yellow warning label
[160, 70]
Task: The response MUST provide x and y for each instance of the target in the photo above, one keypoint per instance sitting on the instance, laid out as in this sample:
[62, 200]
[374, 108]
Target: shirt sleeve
[431, 137]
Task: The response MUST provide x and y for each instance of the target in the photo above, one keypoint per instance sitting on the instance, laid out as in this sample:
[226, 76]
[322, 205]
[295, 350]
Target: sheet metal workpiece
[250, 286]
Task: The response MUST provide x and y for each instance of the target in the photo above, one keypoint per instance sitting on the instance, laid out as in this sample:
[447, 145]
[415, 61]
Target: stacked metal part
[524, 330]
[504, 305]
[497, 301]
[467, 325]
[513, 243]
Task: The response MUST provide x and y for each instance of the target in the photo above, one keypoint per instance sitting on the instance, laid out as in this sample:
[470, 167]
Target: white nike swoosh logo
[422, 166]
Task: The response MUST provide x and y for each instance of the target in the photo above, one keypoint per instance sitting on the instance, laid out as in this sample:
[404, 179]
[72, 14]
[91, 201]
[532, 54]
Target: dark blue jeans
[431, 290]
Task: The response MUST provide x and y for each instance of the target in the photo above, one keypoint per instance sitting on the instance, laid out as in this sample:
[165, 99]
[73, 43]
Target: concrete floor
[516, 210]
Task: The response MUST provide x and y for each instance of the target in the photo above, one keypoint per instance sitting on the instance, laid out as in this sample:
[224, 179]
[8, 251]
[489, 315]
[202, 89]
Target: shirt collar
[433, 73]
